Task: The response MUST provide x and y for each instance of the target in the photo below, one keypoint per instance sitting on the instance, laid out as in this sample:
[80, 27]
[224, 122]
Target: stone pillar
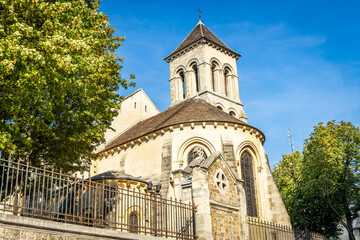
[190, 82]
[244, 228]
[228, 150]
[201, 199]
[216, 80]
[166, 166]
[176, 89]
[229, 86]
[236, 88]
[204, 77]
[179, 89]
[172, 90]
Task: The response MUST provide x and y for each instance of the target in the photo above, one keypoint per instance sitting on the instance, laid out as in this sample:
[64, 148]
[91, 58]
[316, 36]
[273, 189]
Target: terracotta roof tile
[188, 111]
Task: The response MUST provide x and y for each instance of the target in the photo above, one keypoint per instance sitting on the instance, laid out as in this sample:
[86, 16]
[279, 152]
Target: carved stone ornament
[221, 181]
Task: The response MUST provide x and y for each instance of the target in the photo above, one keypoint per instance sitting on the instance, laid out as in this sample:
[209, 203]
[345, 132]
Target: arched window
[232, 113]
[219, 107]
[195, 68]
[182, 76]
[196, 152]
[213, 77]
[226, 81]
[249, 183]
[133, 222]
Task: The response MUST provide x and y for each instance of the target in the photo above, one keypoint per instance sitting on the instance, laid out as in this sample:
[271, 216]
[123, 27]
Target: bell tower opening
[196, 75]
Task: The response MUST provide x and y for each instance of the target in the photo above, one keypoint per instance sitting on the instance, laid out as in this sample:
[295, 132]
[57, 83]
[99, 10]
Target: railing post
[16, 188]
[155, 215]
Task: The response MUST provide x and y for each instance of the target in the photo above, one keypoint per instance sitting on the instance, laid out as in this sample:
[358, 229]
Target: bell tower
[203, 66]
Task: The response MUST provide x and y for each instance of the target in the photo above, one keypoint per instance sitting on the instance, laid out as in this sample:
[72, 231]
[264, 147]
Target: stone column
[201, 199]
[172, 90]
[204, 77]
[176, 93]
[244, 228]
[166, 166]
[216, 81]
[190, 82]
[222, 82]
[219, 81]
[179, 89]
[229, 86]
[236, 88]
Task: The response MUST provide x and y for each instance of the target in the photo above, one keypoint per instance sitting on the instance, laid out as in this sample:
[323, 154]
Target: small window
[135, 105]
[196, 152]
[145, 108]
[219, 107]
[195, 68]
[226, 82]
[182, 76]
[133, 222]
[232, 113]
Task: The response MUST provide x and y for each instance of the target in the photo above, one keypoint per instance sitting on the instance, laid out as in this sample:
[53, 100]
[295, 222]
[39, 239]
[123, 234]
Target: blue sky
[300, 63]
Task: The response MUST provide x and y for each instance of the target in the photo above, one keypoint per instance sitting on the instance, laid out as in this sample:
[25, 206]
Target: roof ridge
[199, 32]
[202, 32]
[216, 36]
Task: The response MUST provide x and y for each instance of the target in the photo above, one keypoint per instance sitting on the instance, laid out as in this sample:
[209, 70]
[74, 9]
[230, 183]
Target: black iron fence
[40, 193]
[264, 230]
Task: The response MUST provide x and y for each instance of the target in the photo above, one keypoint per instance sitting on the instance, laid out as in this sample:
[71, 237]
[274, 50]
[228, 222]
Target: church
[201, 149]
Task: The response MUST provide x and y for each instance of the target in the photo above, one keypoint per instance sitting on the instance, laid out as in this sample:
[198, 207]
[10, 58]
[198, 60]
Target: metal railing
[39, 193]
[264, 230]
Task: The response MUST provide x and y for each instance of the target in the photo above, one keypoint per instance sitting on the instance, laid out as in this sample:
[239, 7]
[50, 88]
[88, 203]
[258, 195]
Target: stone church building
[201, 149]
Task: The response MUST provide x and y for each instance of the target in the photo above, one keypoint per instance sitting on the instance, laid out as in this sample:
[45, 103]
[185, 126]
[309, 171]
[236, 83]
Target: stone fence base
[21, 228]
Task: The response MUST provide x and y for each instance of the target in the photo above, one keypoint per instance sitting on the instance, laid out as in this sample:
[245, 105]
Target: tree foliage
[59, 74]
[305, 208]
[324, 191]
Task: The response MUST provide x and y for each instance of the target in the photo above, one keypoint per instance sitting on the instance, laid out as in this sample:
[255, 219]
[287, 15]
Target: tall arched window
[196, 152]
[195, 68]
[182, 76]
[249, 183]
[133, 222]
[226, 81]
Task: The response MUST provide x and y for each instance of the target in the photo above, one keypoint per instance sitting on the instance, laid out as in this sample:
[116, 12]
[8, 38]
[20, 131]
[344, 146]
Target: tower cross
[199, 13]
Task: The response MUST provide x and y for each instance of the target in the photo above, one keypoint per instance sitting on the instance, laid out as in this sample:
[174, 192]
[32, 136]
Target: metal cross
[199, 13]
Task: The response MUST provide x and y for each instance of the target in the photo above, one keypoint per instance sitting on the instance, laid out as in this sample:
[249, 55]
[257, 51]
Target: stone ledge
[224, 206]
[59, 228]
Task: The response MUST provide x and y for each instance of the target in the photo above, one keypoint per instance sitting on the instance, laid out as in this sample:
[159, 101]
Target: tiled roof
[114, 174]
[188, 111]
[200, 31]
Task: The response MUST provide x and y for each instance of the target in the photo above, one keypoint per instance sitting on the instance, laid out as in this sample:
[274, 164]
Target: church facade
[201, 149]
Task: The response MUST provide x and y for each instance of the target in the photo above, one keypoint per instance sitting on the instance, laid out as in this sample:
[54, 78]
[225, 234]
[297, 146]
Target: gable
[133, 109]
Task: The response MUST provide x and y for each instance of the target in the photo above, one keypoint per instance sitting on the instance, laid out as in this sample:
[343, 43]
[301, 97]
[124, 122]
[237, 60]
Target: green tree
[322, 190]
[331, 169]
[59, 74]
[306, 208]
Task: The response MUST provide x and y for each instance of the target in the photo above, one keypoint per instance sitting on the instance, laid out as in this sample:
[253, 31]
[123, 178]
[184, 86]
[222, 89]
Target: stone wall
[230, 196]
[23, 228]
[225, 207]
[226, 224]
